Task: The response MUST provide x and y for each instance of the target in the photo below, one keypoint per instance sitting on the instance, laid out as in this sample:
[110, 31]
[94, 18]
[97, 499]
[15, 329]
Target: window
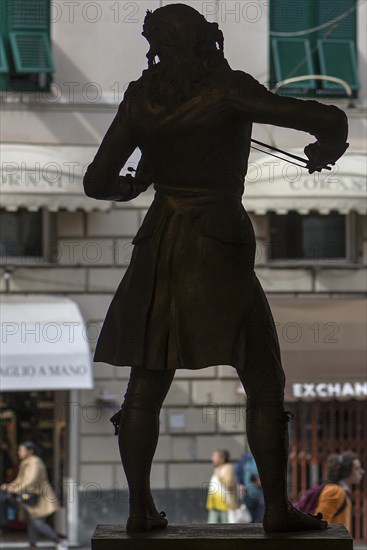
[328, 50]
[311, 237]
[21, 235]
[26, 60]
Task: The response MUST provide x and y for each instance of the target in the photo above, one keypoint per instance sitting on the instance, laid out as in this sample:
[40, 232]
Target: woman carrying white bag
[222, 502]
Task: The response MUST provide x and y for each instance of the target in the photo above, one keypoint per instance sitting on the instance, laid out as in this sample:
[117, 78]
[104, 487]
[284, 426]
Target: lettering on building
[329, 389]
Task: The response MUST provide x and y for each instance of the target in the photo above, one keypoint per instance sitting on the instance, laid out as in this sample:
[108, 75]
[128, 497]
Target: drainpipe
[72, 481]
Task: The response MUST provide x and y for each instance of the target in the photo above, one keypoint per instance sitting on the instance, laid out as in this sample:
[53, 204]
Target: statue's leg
[138, 438]
[267, 422]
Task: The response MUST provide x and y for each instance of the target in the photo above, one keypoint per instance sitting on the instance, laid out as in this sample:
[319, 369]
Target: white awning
[46, 176]
[51, 176]
[44, 344]
[276, 185]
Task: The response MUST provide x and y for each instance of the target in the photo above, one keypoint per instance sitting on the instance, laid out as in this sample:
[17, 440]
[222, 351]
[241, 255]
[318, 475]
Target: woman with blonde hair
[222, 497]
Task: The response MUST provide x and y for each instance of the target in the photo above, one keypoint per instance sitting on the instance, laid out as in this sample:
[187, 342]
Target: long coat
[186, 298]
[32, 477]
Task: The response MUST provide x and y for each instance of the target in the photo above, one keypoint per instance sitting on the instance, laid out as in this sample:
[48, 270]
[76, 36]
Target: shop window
[21, 235]
[26, 62]
[311, 237]
[38, 416]
[328, 50]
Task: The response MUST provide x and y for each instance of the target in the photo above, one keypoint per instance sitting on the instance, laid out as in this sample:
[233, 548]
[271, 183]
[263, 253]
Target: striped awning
[276, 185]
[50, 177]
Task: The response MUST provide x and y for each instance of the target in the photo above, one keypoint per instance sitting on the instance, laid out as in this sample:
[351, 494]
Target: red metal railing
[321, 428]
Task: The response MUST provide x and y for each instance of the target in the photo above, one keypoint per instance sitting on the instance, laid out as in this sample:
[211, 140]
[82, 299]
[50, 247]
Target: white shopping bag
[239, 515]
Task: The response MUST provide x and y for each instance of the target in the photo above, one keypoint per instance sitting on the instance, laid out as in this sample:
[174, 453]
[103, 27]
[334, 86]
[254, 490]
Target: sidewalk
[45, 546]
[356, 546]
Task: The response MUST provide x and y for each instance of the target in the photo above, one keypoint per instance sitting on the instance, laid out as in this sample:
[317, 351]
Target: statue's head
[177, 31]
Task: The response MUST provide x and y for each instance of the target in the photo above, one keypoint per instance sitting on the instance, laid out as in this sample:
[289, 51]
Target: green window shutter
[344, 28]
[292, 57]
[28, 14]
[338, 58]
[31, 52]
[291, 15]
[4, 67]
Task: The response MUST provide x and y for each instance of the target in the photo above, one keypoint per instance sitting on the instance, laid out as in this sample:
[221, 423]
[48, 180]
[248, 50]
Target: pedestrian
[250, 488]
[222, 495]
[190, 297]
[32, 485]
[335, 502]
[254, 499]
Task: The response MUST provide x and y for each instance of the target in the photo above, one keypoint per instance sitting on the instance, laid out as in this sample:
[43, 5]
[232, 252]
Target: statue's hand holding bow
[320, 155]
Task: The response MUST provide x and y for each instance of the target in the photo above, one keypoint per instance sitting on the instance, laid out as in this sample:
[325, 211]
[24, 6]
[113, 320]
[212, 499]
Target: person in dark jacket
[250, 486]
[190, 297]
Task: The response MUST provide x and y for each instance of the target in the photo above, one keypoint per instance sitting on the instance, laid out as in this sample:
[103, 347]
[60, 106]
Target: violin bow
[272, 148]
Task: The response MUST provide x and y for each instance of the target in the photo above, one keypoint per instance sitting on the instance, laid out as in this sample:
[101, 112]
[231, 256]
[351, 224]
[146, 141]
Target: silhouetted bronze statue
[190, 297]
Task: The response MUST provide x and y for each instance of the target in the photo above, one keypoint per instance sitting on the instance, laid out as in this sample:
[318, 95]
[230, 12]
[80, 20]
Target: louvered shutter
[337, 43]
[28, 23]
[28, 15]
[31, 52]
[337, 58]
[291, 57]
[4, 66]
[342, 29]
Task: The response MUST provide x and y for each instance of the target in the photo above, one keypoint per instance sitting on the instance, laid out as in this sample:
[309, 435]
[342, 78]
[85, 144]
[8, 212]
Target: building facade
[57, 103]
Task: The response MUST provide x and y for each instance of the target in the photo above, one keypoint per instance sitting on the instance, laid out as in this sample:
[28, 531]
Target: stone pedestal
[220, 537]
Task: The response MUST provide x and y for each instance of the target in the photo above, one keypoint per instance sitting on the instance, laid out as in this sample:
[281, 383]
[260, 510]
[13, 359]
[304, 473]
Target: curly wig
[188, 48]
[177, 32]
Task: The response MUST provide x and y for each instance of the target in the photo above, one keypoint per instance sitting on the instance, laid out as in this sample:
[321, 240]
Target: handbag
[30, 499]
[239, 515]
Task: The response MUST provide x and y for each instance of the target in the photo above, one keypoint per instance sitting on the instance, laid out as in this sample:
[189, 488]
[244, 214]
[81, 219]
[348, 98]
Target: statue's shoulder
[140, 86]
[244, 84]
[245, 79]
[132, 89]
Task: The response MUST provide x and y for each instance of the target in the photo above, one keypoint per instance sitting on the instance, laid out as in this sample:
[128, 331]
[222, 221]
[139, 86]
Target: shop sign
[315, 390]
[44, 373]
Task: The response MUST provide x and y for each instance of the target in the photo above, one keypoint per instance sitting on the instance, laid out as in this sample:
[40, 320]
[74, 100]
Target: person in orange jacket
[334, 502]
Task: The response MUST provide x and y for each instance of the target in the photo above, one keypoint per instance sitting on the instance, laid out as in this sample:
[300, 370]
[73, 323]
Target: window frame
[350, 246]
[48, 234]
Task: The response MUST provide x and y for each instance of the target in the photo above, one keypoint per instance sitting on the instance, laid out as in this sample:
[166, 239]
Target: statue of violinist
[190, 297]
